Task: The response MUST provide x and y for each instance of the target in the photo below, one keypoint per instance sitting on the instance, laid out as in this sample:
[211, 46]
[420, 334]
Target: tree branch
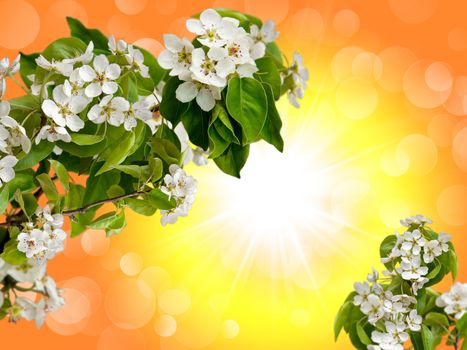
[17, 219]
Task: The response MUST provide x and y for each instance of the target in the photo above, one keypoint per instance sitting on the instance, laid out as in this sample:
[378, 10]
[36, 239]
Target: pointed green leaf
[61, 172]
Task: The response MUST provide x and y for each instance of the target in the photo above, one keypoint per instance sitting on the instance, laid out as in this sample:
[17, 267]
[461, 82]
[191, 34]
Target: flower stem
[17, 82]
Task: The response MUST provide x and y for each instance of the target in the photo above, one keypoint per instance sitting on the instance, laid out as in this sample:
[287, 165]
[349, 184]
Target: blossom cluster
[42, 239]
[454, 301]
[300, 76]
[227, 49]
[181, 187]
[30, 278]
[88, 77]
[397, 312]
[412, 252]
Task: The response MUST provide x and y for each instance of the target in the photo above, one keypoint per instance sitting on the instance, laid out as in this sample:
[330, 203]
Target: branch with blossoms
[400, 309]
[105, 126]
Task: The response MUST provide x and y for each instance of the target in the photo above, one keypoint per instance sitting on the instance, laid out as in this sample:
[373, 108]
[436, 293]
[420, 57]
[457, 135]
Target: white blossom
[64, 109]
[373, 307]
[212, 29]
[32, 311]
[205, 68]
[181, 187]
[59, 67]
[117, 47]
[152, 102]
[32, 243]
[7, 69]
[205, 94]
[74, 86]
[110, 109]
[454, 301]
[431, 250]
[414, 320]
[135, 59]
[177, 56]
[267, 34]
[101, 78]
[363, 291]
[7, 172]
[138, 110]
[12, 134]
[413, 241]
[53, 133]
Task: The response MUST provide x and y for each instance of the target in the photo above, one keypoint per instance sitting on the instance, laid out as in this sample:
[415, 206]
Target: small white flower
[59, 67]
[177, 56]
[74, 86]
[6, 169]
[32, 243]
[212, 29]
[109, 110]
[373, 276]
[26, 272]
[413, 241]
[16, 135]
[373, 307]
[32, 311]
[205, 69]
[414, 320]
[397, 331]
[138, 110]
[431, 250]
[135, 59]
[101, 78]
[40, 89]
[53, 133]
[267, 34]
[206, 95]
[200, 156]
[454, 301]
[117, 48]
[300, 77]
[153, 102]
[363, 291]
[85, 58]
[246, 70]
[64, 109]
[410, 269]
[5, 70]
[443, 239]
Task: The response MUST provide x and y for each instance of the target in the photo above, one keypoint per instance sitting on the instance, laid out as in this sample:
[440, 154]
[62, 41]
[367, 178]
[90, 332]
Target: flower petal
[87, 73]
[100, 63]
[49, 108]
[113, 71]
[109, 87]
[93, 90]
[74, 122]
[186, 91]
[205, 100]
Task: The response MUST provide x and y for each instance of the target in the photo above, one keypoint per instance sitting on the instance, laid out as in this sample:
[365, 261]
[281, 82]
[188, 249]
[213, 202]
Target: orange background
[381, 135]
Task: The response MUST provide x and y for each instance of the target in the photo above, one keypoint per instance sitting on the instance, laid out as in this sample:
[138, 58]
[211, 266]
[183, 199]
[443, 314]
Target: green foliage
[78, 30]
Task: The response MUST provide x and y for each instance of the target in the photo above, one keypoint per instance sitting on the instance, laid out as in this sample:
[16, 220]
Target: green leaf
[35, 155]
[247, 104]
[362, 335]
[79, 225]
[217, 144]
[115, 191]
[196, 122]
[119, 153]
[155, 168]
[427, 338]
[26, 103]
[96, 186]
[453, 263]
[64, 48]
[141, 206]
[132, 170]
[48, 186]
[78, 30]
[268, 73]
[74, 197]
[11, 254]
[271, 131]
[233, 159]
[354, 338]
[103, 221]
[27, 67]
[61, 172]
[166, 150]
[434, 272]
[23, 181]
[341, 318]
[171, 108]
[83, 150]
[86, 140]
[461, 325]
[223, 124]
[160, 200]
[273, 50]
[436, 319]
[129, 86]
[4, 198]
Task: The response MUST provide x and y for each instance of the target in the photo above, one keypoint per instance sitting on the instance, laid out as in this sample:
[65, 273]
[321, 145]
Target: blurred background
[265, 262]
